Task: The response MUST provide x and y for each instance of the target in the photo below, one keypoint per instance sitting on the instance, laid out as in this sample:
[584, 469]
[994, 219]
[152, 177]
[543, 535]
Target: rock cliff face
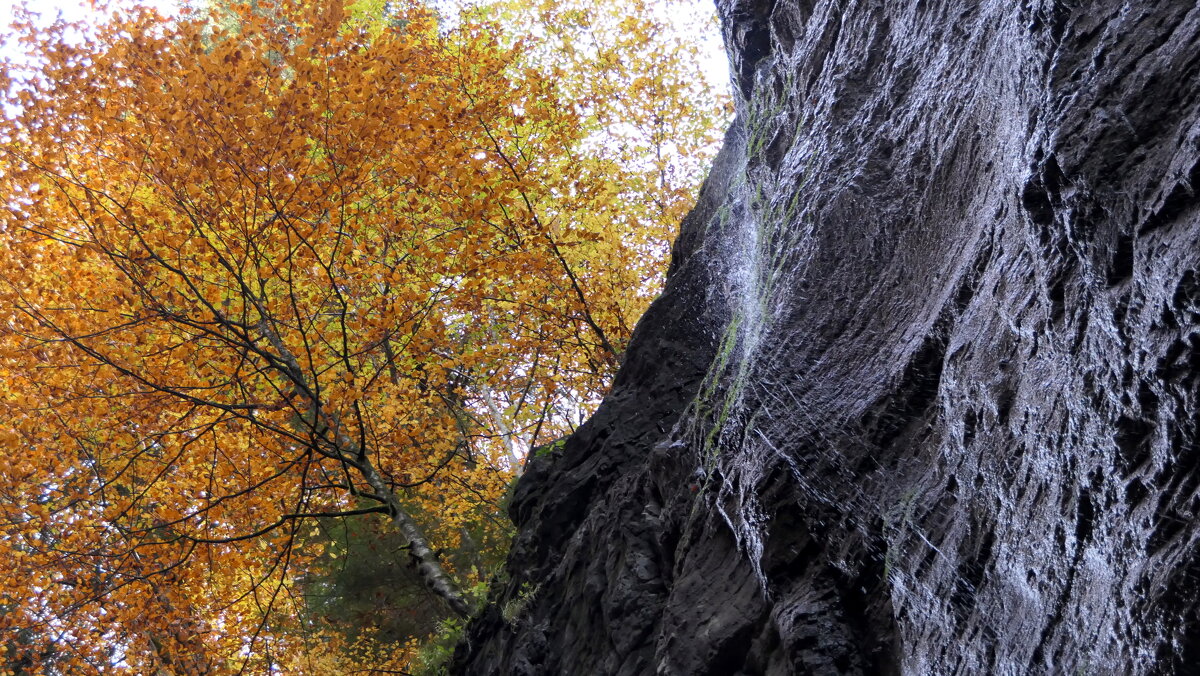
[921, 395]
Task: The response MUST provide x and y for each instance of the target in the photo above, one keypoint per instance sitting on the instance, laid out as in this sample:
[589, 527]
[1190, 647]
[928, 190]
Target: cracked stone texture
[930, 344]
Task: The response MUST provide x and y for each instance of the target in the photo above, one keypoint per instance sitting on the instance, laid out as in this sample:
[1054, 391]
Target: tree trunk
[428, 563]
[921, 394]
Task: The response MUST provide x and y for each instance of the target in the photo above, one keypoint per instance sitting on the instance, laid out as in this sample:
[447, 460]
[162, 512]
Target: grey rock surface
[930, 347]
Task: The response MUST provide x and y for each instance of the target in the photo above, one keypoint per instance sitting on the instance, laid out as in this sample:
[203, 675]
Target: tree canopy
[272, 266]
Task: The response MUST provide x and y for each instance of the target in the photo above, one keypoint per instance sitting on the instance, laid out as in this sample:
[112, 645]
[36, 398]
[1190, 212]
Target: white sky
[716, 64]
[71, 10]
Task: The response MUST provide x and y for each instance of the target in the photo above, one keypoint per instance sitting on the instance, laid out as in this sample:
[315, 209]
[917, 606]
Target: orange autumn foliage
[281, 264]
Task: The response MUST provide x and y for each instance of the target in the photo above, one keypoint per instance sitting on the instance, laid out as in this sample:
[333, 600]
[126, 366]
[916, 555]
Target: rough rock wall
[921, 395]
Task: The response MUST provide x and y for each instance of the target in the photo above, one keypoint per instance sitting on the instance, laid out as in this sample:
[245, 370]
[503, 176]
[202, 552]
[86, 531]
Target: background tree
[286, 264]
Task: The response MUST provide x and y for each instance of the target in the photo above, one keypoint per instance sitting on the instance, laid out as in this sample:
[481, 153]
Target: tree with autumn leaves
[276, 266]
